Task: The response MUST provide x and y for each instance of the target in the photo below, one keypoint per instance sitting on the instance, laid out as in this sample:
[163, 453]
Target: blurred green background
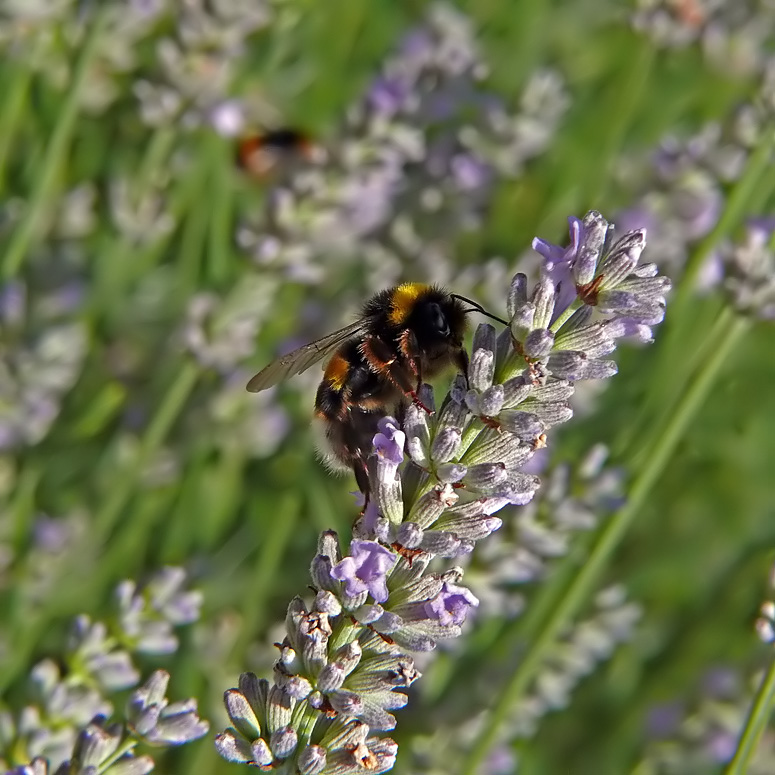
[122, 403]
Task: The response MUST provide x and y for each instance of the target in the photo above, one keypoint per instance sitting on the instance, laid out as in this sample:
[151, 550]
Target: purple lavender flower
[389, 442]
[387, 95]
[451, 605]
[558, 263]
[365, 570]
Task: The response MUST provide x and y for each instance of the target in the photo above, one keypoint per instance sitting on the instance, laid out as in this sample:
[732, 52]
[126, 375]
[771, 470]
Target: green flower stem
[755, 724]
[125, 747]
[15, 98]
[628, 97]
[673, 341]
[220, 201]
[193, 240]
[344, 632]
[32, 224]
[640, 442]
[305, 718]
[171, 406]
[581, 585]
[565, 316]
[274, 538]
[154, 159]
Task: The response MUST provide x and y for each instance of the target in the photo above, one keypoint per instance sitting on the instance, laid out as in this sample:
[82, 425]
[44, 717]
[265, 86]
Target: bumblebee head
[437, 319]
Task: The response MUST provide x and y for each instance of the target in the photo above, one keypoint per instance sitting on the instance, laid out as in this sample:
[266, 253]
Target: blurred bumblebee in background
[264, 154]
[403, 336]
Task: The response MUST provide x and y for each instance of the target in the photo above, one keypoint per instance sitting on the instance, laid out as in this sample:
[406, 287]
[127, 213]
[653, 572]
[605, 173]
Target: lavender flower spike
[345, 662]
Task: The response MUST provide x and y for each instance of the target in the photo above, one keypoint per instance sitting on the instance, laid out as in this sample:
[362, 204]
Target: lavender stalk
[437, 482]
[761, 708]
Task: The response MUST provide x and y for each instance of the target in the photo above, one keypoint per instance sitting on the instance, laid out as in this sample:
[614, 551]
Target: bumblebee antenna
[478, 308]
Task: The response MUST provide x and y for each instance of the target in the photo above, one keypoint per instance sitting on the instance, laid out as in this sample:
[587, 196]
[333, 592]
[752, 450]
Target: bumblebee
[261, 155]
[403, 336]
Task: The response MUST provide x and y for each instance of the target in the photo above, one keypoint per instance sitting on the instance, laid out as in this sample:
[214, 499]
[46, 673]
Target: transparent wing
[302, 358]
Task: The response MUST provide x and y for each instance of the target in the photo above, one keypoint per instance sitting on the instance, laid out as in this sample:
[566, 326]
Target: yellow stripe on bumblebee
[336, 372]
[403, 301]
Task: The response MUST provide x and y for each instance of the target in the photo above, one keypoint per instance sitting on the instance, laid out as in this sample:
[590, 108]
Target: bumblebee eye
[438, 320]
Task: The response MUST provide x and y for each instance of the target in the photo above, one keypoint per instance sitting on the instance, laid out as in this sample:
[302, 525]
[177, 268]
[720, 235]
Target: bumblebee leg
[362, 478]
[411, 352]
[401, 369]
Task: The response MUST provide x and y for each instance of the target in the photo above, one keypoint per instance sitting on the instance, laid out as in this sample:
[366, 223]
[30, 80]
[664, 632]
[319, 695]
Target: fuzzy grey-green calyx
[283, 742]
[96, 744]
[446, 445]
[241, 714]
[312, 760]
[232, 748]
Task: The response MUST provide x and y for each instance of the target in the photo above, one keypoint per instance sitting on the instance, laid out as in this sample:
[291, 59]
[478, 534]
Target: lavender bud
[458, 389]
[520, 488]
[440, 544]
[595, 340]
[481, 369]
[484, 338]
[552, 412]
[470, 528]
[595, 230]
[600, 370]
[449, 473]
[428, 397]
[327, 603]
[346, 702]
[503, 447]
[517, 294]
[616, 268]
[350, 655]
[95, 744]
[485, 477]
[543, 298]
[261, 753]
[522, 321]
[295, 686]
[328, 546]
[515, 391]
[525, 425]
[255, 691]
[312, 760]
[491, 401]
[556, 390]
[131, 765]
[417, 435]
[241, 714]
[568, 364]
[446, 445]
[429, 507]
[472, 402]
[387, 488]
[369, 613]
[409, 535]
[389, 622]
[538, 343]
[279, 708]
[232, 748]
[320, 571]
[283, 742]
